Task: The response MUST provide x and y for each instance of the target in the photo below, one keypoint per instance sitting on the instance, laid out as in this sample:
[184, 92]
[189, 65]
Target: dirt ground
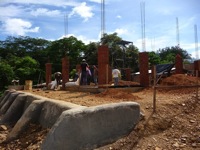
[174, 125]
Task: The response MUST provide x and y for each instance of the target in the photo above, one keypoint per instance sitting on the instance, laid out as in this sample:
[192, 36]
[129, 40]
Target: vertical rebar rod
[196, 41]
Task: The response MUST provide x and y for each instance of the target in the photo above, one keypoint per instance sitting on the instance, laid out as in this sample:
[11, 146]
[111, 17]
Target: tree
[14, 47]
[121, 55]
[91, 53]
[154, 58]
[25, 68]
[6, 75]
[132, 55]
[168, 54]
[70, 47]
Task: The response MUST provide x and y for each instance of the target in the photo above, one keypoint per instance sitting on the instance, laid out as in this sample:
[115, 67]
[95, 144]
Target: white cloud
[85, 39]
[121, 31]
[119, 16]
[11, 11]
[60, 3]
[96, 1]
[82, 38]
[83, 10]
[45, 12]
[18, 27]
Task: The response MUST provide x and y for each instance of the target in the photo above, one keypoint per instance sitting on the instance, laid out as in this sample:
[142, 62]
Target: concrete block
[92, 127]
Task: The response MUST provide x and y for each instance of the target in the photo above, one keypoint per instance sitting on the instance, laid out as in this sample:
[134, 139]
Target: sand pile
[180, 79]
[117, 94]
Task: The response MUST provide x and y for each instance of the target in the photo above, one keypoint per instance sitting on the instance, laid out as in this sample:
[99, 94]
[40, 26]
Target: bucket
[28, 85]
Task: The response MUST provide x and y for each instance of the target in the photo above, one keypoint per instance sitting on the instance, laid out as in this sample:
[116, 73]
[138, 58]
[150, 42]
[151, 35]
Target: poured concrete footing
[71, 126]
[89, 128]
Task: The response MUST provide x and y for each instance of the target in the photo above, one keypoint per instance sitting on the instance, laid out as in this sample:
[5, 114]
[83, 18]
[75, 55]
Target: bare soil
[174, 125]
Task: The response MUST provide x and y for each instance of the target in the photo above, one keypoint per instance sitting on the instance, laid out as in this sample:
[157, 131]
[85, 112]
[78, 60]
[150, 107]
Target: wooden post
[107, 73]
[154, 89]
[197, 89]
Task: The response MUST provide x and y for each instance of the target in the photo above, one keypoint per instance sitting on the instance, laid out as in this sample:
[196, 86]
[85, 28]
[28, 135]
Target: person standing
[84, 66]
[95, 74]
[116, 74]
[58, 77]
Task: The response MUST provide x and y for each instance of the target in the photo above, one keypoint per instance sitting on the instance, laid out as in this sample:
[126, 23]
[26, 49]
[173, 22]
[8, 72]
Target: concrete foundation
[91, 127]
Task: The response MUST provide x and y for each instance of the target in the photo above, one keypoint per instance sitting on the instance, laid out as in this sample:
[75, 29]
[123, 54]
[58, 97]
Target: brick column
[103, 65]
[179, 64]
[65, 71]
[197, 67]
[48, 73]
[144, 69]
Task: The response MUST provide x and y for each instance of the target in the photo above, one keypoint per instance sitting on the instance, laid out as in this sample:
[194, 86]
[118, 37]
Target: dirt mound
[179, 79]
[126, 83]
[117, 94]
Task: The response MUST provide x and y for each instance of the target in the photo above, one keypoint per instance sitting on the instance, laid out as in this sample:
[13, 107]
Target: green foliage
[70, 47]
[72, 73]
[91, 53]
[154, 58]
[6, 75]
[120, 55]
[24, 58]
[25, 68]
[167, 55]
[132, 55]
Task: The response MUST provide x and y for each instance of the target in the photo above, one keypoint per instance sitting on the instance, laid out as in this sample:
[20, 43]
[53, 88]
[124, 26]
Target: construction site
[158, 112]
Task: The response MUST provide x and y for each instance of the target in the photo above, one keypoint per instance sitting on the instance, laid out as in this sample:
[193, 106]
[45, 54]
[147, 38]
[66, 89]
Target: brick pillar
[179, 64]
[144, 69]
[197, 67]
[103, 64]
[65, 71]
[48, 73]
[128, 74]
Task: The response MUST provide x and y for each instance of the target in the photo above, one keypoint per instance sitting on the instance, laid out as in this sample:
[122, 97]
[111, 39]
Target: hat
[83, 60]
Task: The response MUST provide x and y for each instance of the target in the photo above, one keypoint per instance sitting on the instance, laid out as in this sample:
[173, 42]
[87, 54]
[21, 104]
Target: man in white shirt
[116, 75]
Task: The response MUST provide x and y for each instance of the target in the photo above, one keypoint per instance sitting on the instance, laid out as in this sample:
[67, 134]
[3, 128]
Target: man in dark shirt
[58, 77]
[84, 66]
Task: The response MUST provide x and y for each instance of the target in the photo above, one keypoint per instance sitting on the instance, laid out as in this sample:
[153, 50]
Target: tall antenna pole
[177, 32]
[66, 24]
[142, 7]
[196, 41]
[102, 18]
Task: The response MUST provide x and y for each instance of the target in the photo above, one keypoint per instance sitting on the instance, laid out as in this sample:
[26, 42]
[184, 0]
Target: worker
[84, 66]
[116, 74]
[58, 77]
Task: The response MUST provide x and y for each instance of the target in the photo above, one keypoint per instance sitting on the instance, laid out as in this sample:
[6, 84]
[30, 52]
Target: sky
[165, 21]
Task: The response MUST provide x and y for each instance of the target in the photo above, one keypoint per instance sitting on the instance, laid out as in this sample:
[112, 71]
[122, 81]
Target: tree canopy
[24, 58]
[167, 55]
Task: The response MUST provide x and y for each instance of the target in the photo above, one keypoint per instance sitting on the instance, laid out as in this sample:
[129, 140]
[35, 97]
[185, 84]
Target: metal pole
[154, 89]
[197, 89]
